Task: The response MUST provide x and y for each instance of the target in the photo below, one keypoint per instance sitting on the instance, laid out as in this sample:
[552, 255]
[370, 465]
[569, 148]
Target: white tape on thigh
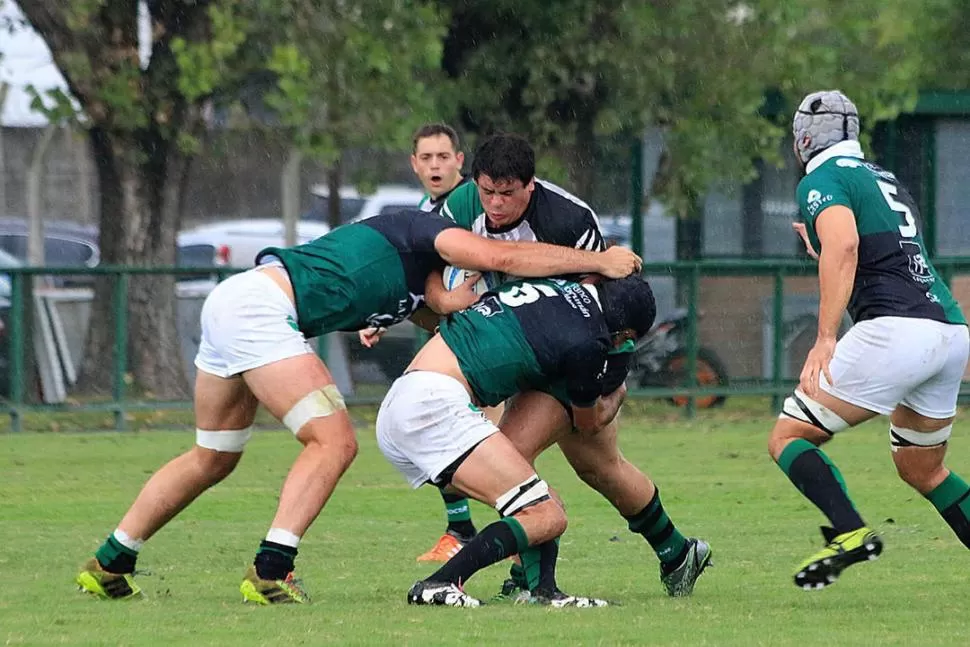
[522, 496]
[801, 407]
[902, 437]
[224, 441]
[316, 404]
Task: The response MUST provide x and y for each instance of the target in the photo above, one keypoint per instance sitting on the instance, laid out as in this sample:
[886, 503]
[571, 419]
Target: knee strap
[231, 441]
[523, 495]
[801, 407]
[316, 404]
[902, 437]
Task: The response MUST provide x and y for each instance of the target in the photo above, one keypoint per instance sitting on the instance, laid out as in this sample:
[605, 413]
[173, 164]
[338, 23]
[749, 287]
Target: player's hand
[800, 229]
[462, 296]
[619, 262]
[370, 336]
[816, 364]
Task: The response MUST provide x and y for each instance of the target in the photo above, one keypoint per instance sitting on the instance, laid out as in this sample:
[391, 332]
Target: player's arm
[837, 261]
[472, 252]
[584, 367]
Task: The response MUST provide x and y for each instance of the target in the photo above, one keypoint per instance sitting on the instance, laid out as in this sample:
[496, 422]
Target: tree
[145, 119]
[355, 75]
[570, 71]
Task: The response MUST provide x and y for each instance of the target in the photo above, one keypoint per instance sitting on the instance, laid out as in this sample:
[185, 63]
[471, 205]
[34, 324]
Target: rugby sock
[459, 516]
[656, 527]
[548, 555]
[274, 560]
[517, 575]
[535, 566]
[820, 481]
[494, 543]
[119, 552]
[951, 498]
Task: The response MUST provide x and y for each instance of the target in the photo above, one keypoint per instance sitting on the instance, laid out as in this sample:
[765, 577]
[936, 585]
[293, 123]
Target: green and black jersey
[527, 335]
[434, 205]
[894, 277]
[368, 273]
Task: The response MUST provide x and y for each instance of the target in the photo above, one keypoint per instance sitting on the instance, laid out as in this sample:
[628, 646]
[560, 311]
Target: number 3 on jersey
[523, 293]
[908, 229]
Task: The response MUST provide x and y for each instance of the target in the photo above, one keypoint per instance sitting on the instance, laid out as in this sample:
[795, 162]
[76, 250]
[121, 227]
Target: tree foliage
[569, 70]
[340, 70]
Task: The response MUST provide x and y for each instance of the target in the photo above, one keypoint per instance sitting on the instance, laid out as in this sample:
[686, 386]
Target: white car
[355, 206]
[235, 243]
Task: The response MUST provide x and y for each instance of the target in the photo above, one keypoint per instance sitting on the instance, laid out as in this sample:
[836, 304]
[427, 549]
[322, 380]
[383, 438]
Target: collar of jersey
[444, 196]
[848, 148]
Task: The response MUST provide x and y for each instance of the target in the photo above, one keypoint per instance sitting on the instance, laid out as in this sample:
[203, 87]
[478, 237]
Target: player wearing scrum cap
[903, 357]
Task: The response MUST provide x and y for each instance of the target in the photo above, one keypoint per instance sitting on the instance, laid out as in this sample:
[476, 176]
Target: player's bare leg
[495, 474]
[300, 392]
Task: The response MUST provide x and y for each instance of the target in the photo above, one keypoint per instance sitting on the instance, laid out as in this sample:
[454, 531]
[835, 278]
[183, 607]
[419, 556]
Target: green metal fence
[688, 277]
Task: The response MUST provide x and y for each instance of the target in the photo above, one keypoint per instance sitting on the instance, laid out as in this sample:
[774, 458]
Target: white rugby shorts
[886, 361]
[427, 422]
[247, 322]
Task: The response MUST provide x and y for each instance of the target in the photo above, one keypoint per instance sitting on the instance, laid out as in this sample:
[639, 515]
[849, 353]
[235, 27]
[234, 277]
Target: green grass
[60, 494]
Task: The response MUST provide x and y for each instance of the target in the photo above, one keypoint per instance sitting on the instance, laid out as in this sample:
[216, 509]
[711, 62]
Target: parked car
[66, 244]
[354, 206]
[235, 243]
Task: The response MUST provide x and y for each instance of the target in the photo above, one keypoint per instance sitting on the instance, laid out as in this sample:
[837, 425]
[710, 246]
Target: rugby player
[430, 426]
[507, 202]
[903, 357]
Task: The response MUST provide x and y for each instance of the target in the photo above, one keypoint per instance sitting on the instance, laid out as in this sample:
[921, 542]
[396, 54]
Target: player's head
[628, 305]
[436, 158]
[823, 119]
[504, 170]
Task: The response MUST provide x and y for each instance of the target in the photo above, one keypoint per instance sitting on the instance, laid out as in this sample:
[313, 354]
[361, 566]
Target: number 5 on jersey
[908, 228]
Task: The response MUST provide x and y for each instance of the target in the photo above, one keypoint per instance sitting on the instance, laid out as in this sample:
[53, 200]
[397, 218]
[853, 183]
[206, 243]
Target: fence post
[120, 300]
[16, 370]
[777, 315]
[693, 281]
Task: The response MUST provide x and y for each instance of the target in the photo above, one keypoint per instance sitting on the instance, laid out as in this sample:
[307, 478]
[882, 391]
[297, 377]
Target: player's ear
[460, 158]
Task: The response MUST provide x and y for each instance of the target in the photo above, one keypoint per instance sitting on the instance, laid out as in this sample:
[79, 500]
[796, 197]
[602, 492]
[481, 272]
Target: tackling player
[507, 202]
[904, 356]
[431, 429]
[254, 349]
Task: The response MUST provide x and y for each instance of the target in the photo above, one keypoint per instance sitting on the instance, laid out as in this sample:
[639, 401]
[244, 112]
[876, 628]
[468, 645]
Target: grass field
[61, 493]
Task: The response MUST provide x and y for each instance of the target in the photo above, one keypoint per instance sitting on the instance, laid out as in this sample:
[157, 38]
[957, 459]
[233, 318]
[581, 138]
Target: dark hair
[433, 130]
[628, 303]
[505, 157]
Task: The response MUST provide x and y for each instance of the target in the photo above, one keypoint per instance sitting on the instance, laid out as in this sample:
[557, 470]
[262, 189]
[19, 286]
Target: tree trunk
[140, 199]
[290, 195]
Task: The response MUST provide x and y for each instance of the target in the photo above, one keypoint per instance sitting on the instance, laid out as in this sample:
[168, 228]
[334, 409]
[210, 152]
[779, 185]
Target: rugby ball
[455, 276]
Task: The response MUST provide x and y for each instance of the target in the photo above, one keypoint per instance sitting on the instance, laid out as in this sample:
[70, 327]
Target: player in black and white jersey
[506, 201]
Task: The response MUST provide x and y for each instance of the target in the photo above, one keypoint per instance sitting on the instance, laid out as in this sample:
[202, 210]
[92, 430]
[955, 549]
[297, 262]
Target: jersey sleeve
[463, 205]
[817, 191]
[583, 370]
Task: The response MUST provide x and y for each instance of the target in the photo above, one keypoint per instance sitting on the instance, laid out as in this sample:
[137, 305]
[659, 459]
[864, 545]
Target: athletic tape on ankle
[801, 407]
[902, 437]
[233, 440]
[522, 496]
[316, 404]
